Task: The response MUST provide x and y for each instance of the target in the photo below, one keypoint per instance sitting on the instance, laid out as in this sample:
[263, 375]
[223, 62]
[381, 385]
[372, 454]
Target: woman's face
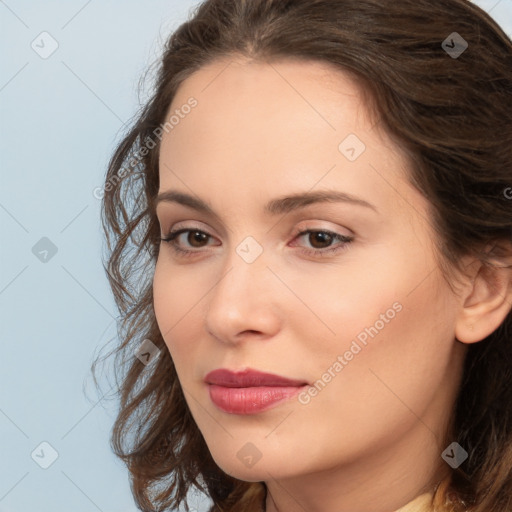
[366, 325]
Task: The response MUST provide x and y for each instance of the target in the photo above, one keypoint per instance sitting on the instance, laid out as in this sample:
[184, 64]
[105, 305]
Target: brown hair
[451, 114]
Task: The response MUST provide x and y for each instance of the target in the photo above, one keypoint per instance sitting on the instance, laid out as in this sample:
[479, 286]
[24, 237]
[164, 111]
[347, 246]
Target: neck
[381, 481]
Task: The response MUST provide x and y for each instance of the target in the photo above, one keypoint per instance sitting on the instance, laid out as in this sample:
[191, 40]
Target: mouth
[249, 391]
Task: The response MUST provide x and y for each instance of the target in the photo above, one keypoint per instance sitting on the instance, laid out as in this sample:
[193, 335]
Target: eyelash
[346, 240]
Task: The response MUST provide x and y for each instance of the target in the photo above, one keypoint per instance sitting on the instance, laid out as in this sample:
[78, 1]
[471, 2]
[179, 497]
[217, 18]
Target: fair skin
[371, 439]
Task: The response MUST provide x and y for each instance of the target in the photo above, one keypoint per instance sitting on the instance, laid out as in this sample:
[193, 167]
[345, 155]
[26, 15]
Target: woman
[309, 228]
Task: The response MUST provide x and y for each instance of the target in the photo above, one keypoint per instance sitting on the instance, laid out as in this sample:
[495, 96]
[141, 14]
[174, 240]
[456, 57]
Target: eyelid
[298, 230]
[167, 219]
[344, 241]
[186, 225]
[313, 226]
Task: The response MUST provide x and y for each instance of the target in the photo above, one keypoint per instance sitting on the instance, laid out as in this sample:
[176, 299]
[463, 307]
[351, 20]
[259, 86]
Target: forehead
[313, 90]
[264, 127]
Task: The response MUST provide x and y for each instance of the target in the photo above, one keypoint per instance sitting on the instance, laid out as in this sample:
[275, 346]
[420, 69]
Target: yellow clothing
[422, 503]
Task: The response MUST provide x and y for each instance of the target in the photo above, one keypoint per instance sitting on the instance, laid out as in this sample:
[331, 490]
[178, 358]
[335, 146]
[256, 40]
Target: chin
[257, 473]
[239, 465]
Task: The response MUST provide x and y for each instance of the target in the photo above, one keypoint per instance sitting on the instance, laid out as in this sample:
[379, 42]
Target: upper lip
[248, 378]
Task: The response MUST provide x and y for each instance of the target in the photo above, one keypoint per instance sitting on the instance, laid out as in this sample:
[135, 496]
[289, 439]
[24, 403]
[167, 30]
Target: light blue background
[59, 120]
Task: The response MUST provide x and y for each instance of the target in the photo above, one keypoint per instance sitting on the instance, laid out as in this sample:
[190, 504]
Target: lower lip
[250, 400]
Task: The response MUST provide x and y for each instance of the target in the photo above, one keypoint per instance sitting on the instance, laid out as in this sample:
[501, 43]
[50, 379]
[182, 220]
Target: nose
[243, 304]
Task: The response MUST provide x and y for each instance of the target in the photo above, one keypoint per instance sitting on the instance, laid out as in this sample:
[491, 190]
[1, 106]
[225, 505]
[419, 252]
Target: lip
[249, 378]
[249, 391]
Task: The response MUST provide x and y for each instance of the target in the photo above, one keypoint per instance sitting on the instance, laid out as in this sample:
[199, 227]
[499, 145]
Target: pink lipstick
[249, 391]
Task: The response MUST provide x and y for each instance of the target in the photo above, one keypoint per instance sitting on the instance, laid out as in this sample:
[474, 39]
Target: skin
[371, 439]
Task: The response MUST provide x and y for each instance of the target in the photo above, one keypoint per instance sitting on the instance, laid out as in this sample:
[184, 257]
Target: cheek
[389, 382]
[163, 299]
[395, 346]
[176, 305]
[391, 315]
[180, 298]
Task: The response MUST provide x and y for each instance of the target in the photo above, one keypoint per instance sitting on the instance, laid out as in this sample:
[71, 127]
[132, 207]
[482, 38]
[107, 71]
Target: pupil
[196, 237]
[322, 237]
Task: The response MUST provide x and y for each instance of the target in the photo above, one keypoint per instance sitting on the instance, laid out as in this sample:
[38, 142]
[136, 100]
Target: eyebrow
[278, 206]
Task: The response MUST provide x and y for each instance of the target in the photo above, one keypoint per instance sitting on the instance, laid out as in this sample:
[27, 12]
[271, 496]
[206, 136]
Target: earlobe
[486, 304]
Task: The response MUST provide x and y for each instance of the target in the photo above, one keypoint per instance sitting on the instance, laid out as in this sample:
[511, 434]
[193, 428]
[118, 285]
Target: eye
[197, 239]
[324, 238]
[195, 236]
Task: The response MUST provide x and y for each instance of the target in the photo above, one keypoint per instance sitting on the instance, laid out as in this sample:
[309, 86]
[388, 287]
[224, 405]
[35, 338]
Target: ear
[485, 302]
